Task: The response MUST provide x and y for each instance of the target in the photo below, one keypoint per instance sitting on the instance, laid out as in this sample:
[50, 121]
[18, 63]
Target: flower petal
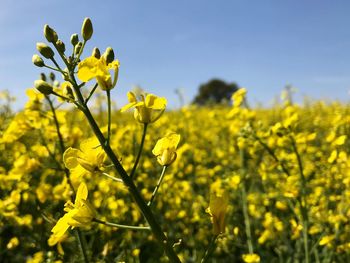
[82, 194]
[154, 102]
[61, 226]
[128, 106]
[70, 158]
[88, 69]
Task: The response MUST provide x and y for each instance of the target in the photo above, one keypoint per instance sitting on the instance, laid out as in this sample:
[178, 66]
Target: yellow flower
[281, 205]
[340, 140]
[88, 160]
[217, 210]
[326, 240]
[251, 258]
[238, 97]
[14, 242]
[38, 257]
[146, 108]
[98, 68]
[35, 100]
[296, 229]
[165, 149]
[78, 214]
[56, 239]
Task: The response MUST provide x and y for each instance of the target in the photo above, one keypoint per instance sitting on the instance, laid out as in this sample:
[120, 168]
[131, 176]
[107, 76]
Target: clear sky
[164, 45]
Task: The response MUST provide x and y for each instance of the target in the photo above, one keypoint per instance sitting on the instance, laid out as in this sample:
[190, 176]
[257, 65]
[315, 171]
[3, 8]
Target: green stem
[51, 154]
[245, 203]
[317, 258]
[306, 241]
[157, 186]
[112, 177]
[63, 57]
[146, 211]
[272, 153]
[247, 220]
[52, 68]
[210, 249]
[132, 174]
[59, 95]
[58, 66]
[62, 147]
[121, 226]
[66, 99]
[300, 163]
[91, 93]
[302, 201]
[60, 139]
[81, 246]
[109, 116]
[80, 52]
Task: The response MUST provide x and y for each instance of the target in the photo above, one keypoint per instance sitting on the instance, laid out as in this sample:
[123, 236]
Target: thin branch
[132, 174]
[157, 186]
[121, 226]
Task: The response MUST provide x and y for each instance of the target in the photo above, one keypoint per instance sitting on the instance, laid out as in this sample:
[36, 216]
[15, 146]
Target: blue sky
[164, 45]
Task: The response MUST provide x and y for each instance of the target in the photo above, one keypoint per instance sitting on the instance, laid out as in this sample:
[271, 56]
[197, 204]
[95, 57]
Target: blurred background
[172, 47]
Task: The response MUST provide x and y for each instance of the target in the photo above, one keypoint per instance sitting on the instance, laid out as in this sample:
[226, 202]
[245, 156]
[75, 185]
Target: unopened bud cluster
[48, 52]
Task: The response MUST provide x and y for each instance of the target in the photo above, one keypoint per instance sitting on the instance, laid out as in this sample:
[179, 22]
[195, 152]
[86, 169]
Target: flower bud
[68, 92]
[65, 76]
[74, 39]
[43, 87]
[96, 53]
[87, 30]
[43, 76]
[109, 55]
[61, 47]
[45, 50]
[167, 157]
[78, 47]
[52, 76]
[50, 34]
[38, 61]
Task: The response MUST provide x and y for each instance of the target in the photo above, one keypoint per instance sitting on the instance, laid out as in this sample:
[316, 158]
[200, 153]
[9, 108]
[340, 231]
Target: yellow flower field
[83, 181]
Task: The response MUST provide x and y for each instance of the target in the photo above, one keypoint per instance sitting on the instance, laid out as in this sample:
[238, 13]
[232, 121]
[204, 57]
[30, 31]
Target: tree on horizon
[215, 91]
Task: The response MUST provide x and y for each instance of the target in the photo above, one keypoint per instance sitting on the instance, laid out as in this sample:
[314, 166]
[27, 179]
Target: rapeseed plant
[276, 179]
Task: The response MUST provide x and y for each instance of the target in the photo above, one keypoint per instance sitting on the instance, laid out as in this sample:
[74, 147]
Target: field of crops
[78, 178]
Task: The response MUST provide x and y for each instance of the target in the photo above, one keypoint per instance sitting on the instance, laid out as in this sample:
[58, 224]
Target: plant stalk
[157, 186]
[132, 174]
[121, 226]
[146, 211]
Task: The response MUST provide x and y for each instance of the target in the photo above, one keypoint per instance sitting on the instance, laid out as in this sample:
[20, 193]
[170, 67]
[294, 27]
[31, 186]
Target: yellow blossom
[38, 257]
[238, 97]
[148, 110]
[79, 214]
[165, 148]
[57, 240]
[14, 242]
[251, 258]
[35, 100]
[296, 229]
[326, 240]
[98, 68]
[340, 140]
[89, 159]
[217, 210]
[281, 205]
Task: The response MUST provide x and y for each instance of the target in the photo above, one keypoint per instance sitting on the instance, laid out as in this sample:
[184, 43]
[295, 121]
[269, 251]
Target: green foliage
[215, 91]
